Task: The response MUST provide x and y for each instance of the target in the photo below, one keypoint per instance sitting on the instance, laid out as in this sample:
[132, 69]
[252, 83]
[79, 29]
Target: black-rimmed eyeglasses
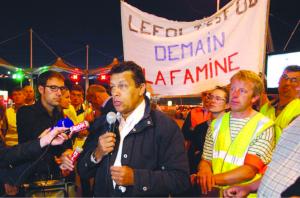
[55, 88]
[293, 79]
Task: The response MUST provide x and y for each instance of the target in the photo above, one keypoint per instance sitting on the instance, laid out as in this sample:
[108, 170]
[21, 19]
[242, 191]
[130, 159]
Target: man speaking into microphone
[145, 154]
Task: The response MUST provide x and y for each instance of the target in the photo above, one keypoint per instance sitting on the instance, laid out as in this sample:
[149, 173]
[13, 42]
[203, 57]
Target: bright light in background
[19, 75]
[75, 78]
[4, 94]
[104, 78]
[170, 103]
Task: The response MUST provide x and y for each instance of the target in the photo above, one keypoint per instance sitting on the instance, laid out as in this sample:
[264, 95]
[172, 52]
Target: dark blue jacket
[154, 149]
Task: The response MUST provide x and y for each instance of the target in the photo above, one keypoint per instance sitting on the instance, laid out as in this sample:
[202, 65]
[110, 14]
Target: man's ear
[255, 99]
[41, 89]
[227, 106]
[142, 89]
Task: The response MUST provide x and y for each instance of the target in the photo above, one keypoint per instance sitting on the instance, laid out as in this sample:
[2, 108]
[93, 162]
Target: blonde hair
[247, 75]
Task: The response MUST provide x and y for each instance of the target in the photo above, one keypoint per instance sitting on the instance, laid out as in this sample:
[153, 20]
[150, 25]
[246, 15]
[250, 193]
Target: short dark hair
[77, 88]
[45, 76]
[137, 71]
[292, 68]
[16, 89]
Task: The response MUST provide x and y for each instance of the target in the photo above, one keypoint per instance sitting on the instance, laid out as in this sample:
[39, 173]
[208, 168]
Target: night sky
[67, 26]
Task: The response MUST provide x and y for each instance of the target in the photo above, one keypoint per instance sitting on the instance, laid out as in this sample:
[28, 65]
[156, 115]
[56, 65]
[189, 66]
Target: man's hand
[11, 190]
[55, 136]
[193, 179]
[205, 177]
[122, 175]
[237, 191]
[106, 144]
[66, 162]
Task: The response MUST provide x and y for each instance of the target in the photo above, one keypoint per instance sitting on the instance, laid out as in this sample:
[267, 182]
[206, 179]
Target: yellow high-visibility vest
[79, 141]
[268, 110]
[71, 113]
[11, 137]
[228, 154]
[288, 114]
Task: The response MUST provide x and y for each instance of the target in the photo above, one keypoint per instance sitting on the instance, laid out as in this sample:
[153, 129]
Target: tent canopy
[105, 69]
[60, 66]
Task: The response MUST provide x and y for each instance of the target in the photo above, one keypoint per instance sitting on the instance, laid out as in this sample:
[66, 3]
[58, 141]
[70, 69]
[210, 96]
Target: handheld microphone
[65, 122]
[77, 128]
[111, 118]
[76, 154]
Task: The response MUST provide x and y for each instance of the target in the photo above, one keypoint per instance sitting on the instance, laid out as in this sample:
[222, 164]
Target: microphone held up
[77, 128]
[111, 118]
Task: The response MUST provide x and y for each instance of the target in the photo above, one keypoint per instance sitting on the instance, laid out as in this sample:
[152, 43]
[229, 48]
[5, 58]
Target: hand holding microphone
[55, 136]
[107, 141]
[77, 128]
[68, 160]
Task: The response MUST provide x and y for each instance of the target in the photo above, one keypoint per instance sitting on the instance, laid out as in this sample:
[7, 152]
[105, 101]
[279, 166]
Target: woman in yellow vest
[217, 105]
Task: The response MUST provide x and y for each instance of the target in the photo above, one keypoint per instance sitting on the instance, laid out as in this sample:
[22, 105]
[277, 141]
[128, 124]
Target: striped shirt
[284, 168]
[262, 146]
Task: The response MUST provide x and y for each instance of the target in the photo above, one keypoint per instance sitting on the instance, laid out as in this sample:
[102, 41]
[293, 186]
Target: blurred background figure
[3, 122]
[195, 117]
[77, 98]
[29, 95]
[68, 109]
[11, 134]
[99, 99]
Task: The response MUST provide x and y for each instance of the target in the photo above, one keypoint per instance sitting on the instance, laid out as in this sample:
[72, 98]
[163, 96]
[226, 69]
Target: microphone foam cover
[111, 117]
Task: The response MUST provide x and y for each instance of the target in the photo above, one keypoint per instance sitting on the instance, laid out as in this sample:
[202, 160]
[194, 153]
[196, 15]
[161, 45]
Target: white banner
[186, 58]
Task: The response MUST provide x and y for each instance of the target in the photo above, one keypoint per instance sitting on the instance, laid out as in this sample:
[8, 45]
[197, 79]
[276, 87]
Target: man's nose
[59, 92]
[233, 92]
[115, 91]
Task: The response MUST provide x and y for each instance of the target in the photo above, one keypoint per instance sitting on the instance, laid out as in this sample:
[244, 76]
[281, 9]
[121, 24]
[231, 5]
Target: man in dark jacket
[45, 113]
[145, 155]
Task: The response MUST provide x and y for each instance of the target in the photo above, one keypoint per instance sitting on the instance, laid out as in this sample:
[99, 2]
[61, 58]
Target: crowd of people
[238, 142]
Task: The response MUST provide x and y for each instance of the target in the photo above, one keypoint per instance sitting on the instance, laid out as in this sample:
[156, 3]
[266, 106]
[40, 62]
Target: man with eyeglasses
[238, 145]
[45, 113]
[287, 108]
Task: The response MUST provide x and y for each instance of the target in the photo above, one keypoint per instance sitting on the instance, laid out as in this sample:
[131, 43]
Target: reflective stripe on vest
[228, 154]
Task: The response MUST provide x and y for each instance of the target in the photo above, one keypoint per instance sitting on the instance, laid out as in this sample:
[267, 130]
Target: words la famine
[212, 69]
